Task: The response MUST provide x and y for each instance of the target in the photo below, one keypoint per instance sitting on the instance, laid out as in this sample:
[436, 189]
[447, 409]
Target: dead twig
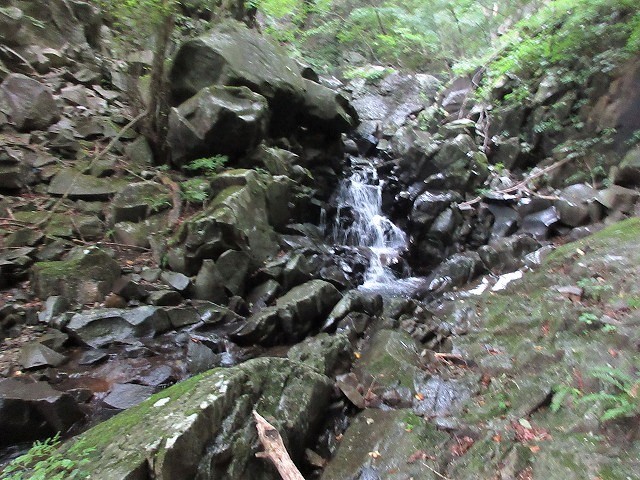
[274, 449]
[522, 184]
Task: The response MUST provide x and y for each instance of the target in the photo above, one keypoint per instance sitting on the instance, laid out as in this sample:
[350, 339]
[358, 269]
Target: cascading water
[359, 199]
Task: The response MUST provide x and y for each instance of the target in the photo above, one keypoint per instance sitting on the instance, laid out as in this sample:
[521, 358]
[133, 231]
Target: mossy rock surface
[203, 428]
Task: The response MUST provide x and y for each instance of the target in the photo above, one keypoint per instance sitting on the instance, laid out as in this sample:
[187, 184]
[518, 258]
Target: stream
[360, 222]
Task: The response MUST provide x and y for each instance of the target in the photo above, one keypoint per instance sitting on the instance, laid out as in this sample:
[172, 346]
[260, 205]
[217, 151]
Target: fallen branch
[274, 449]
[522, 184]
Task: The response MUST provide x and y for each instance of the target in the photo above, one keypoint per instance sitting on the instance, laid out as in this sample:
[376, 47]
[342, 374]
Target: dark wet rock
[354, 301]
[327, 109]
[129, 289]
[176, 280]
[85, 277]
[100, 327]
[396, 437]
[127, 395]
[575, 204]
[233, 267]
[93, 357]
[165, 298]
[438, 397]
[202, 428]
[54, 339]
[507, 153]
[209, 283]
[327, 354]
[628, 174]
[263, 295]
[28, 104]
[200, 357]
[183, 316]
[139, 200]
[539, 224]
[11, 19]
[429, 205]
[231, 54]
[455, 271]
[33, 411]
[507, 254]
[195, 126]
[36, 355]
[85, 187]
[505, 220]
[294, 315]
[618, 198]
[236, 219]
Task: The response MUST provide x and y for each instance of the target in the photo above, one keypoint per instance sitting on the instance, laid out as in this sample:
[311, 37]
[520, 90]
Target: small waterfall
[360, 222]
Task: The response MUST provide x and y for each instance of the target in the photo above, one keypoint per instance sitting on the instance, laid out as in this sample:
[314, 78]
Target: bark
[274, 449]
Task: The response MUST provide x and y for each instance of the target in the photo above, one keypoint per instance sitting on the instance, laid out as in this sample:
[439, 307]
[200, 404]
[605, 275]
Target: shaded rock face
[202, 428]
[295, 314]
[28, 104]
[30, 411]
[195, 126]
[232, 55]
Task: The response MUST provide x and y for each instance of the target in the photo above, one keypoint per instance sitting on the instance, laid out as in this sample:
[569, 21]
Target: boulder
[36, 355]
[507, 254]
[34, 411]
[75, 185]
[381, 444]
[234, 55]
[327, 109]
[327, 354]
[11, 19]
[218, 120]
[236, 219]
[294, 315]
[203, 427]
[103, 326]
[87, 276]
[28, 104]
[139, 200]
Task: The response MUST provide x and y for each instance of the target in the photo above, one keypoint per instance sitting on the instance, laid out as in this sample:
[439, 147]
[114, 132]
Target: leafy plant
[208, 166]
[619, 394]
[195, 191]
[44, 461]
[588, 318]
[561, 393]
[594, 288]
[370, 73]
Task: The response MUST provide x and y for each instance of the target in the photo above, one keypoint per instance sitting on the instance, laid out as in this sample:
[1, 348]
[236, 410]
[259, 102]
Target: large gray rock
[28, 104]
[236, 219]
[203, 427]
[86, 277]
[137, 201]
[33, 411]
[294, 315]
[217, 120]
[75, 185]
[100, 327]
[327, 109]
[232, 54]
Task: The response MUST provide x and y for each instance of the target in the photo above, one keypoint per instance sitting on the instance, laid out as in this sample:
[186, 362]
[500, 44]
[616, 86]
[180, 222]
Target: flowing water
[361, 223]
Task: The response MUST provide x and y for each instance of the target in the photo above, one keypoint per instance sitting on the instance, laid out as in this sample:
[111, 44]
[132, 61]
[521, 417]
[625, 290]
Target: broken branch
[274, 449]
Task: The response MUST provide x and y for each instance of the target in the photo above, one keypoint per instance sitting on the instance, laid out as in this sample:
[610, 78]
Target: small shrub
[207, 166]
[45, 462]
[195, 191]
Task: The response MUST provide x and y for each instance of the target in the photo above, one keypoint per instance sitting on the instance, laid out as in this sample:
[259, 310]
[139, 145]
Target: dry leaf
[374, 454]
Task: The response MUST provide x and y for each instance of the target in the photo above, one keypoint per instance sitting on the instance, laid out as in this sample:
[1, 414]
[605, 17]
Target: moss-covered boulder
[202, 428]
[86, 276]
[393, 445]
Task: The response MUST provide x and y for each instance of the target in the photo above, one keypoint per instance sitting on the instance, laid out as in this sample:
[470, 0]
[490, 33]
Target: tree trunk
[158, 119]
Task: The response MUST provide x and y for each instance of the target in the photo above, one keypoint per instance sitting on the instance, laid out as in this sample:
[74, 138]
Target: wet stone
[127, 395]
[37, 355]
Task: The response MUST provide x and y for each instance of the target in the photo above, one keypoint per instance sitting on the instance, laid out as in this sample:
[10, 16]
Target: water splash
[360, 222]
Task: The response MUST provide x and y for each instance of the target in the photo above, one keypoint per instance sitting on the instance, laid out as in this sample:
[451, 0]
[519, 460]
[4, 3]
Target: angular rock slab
[100, 327]
[32, 411]
[28, 103]
[294, 315]
[85, 278]
[203, 427]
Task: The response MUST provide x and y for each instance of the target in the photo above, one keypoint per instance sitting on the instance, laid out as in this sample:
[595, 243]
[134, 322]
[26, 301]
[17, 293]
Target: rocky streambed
[147, 311]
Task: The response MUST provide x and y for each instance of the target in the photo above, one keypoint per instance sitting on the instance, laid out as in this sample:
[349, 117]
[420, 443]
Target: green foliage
[619, 394]
[578, 37]
[588, 318]
[370, 73]
[195, 191]
[45, 462]
[594, 288]
[560, 394]
[207, 166]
